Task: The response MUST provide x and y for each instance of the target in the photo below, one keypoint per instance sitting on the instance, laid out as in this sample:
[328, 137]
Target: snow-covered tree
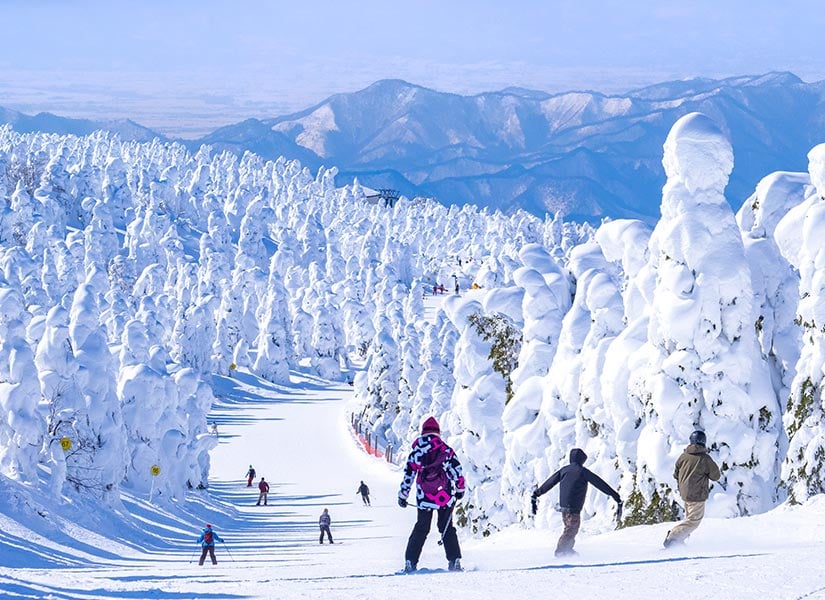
[21, 429]
[379, 388]
[701, 367]
[92, 407]
[275, 354]
[326, 344]
[803, 469]
[475, 420]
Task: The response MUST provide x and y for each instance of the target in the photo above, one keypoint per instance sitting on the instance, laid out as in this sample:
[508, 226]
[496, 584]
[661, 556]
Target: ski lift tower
[388, 196]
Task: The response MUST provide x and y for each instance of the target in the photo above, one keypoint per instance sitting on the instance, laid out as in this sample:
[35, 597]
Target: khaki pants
[694, 513]
[571, 521]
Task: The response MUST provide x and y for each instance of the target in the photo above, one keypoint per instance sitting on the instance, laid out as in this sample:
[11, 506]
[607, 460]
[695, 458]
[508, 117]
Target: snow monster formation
[701, 367]
[803, 471]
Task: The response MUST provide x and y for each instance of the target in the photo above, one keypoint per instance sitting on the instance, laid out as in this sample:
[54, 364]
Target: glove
[534, 503]
[402, 502]
[459, 494]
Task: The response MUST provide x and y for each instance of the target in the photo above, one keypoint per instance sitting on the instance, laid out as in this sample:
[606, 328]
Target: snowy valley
[148, 291]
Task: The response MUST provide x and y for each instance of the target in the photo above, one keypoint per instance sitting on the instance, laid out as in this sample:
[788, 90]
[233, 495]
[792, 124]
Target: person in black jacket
[573, 480]
[364, 490]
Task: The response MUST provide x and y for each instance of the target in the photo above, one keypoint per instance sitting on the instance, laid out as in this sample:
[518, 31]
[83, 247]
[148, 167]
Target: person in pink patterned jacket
[434, 467]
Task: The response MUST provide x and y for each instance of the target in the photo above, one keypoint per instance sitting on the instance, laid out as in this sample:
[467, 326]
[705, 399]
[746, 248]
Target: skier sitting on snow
[439, 484]
[573, 480]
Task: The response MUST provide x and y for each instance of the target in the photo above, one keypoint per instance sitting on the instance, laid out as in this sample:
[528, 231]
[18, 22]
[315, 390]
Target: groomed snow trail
[298, 438]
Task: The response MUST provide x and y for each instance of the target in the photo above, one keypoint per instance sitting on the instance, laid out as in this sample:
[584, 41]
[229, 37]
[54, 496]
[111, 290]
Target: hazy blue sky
[209, 61]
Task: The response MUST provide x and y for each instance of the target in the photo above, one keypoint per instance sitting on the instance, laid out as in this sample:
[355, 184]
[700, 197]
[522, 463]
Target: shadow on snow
[19, 588]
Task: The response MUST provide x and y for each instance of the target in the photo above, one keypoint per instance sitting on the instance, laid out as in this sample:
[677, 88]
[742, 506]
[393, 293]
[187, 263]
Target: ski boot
[669, 541]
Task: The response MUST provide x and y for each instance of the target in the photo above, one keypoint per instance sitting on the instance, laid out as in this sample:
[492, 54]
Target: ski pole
[443, 533]
[446, 527]
[191, 558]
[227, 551]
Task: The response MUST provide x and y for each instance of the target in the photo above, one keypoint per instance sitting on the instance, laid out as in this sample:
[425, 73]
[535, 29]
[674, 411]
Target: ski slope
[298, 438]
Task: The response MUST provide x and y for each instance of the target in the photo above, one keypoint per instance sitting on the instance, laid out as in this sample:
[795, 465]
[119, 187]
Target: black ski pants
[325, 529]
[211, 551]
[422, 528]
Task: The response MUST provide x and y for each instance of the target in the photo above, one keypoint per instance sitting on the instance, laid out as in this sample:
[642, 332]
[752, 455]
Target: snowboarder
[365, 493]
[250, 475]
[573, 480]
[324, 521]
[207, 542]
[263, 486]
[439, 484]
[693, 472]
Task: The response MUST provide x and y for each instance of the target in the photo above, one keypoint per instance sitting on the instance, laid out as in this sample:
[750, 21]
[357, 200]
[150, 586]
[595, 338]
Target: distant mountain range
[49, 123]
[584, 154]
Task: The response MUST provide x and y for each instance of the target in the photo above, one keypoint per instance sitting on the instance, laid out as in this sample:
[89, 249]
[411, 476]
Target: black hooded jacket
[574, 479]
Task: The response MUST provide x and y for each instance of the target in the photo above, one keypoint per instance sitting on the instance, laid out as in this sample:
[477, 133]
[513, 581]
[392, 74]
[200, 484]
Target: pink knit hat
[430, 426]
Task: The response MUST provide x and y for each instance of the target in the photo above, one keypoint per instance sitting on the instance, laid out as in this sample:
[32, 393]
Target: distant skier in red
[250, 475]
[263, 487]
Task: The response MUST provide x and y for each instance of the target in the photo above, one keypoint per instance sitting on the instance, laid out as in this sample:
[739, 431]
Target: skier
[207, 542]
[324, 522]
[693, 472]
[263, 486]
[250, 475]
[365, 493]
[439, 484]
[573, 480]
[214, 429]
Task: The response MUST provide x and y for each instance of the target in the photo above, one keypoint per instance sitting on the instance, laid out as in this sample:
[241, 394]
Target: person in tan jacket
[694, 471]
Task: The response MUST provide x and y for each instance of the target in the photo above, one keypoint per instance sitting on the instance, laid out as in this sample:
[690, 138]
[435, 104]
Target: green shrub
[505, 344]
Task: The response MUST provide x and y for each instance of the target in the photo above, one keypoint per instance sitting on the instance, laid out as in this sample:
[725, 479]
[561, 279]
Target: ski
[431, 571]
